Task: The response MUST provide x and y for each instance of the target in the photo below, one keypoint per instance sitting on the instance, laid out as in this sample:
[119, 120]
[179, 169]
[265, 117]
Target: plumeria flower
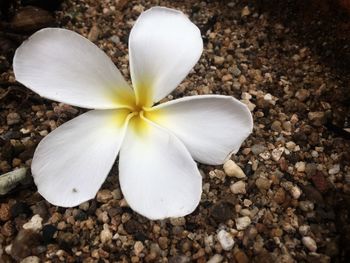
[157, 142]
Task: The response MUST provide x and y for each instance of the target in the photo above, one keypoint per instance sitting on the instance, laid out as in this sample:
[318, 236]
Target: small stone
[309, 243]
[138, 247]
[31, 259]
[296, 192]
[219, 60]
[226, 240]
[241, 257]
[106, 234]
[306, 206]
[276, 126]
[258, 149]
[304, 229]
[115, 39]
[277, 153]
[222, 211]
[5, 212]
[243, 222]
[302, 94]
[103, 196]
[217, 258]
[233, 170]
[163, 242]
[13, 118]
[300, 166]
[280, 196]
[263, 183]
[245, 11]
[34, 224]
[334, 169]
[48, 233]
[317, 118]
[178, 221]
[94, 33]
[226, 77]
[238, 187]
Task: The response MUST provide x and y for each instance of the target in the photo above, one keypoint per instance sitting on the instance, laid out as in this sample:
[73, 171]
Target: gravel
[283, 197]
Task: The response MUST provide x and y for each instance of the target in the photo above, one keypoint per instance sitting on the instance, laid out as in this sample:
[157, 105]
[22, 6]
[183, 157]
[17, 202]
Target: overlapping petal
[64, 66]
[72, 162]
[210, 126]
[157, 175]
[164, 45]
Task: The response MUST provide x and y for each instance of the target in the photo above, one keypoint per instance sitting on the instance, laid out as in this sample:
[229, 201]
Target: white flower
[157, 174]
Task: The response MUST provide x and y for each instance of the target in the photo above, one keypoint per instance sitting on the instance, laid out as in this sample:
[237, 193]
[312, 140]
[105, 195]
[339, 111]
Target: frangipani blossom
[157, 143]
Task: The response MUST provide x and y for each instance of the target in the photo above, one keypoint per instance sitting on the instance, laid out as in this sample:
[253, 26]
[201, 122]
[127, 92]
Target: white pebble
[334, 169]
[277, 153]
[296, 192]
[233, 170]
[138, 247]
[31, 259]
[309, 243]
[243, 222]
[238, 188]
[34, 224]
[226, 240]
[217, 258]
[300, 166]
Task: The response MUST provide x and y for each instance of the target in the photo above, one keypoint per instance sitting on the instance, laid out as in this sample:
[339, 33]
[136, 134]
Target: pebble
[280, 196]
[163, 242]
[302, 94]
[138, 247]
[13, 118]
[31, 259]
[241, 257]
[222, 211]
[48, 233]
[5, 212]
[296, 192]
[219, 60]
[277, 153]
[258, 149]
[103, 196]
[217, 258]
[238, 187]
[105, 235]
[334, 169]
[304, 229]
[317, 118]
[309, 243]
[178, 221]
[300, 166]
[243, 222]
[226, 240]
[94, 33]
[34, 224]
[233, 170]
[276, 126]
[245, 11]
[306, 206]
[263, 183]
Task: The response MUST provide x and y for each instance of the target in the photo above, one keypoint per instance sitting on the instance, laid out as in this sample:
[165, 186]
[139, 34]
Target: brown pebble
[5, 213]
[241, 257]
[163, 242]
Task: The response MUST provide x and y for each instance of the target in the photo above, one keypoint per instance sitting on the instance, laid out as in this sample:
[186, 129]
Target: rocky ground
[288, 200]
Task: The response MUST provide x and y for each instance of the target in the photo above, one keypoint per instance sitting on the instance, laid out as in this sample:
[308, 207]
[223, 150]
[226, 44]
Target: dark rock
[133, 227]
[48, 232]
[312, 194]
[25, 244]
[30, 19]
[50, 5]
[81, 216]
[320, 182]
[222, 211]
[20, 208]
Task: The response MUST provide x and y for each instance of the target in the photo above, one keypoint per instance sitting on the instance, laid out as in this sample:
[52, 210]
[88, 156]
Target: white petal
[72, 162]
[157, 175]
[210, 126]
[164, 45]
[64, 66]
